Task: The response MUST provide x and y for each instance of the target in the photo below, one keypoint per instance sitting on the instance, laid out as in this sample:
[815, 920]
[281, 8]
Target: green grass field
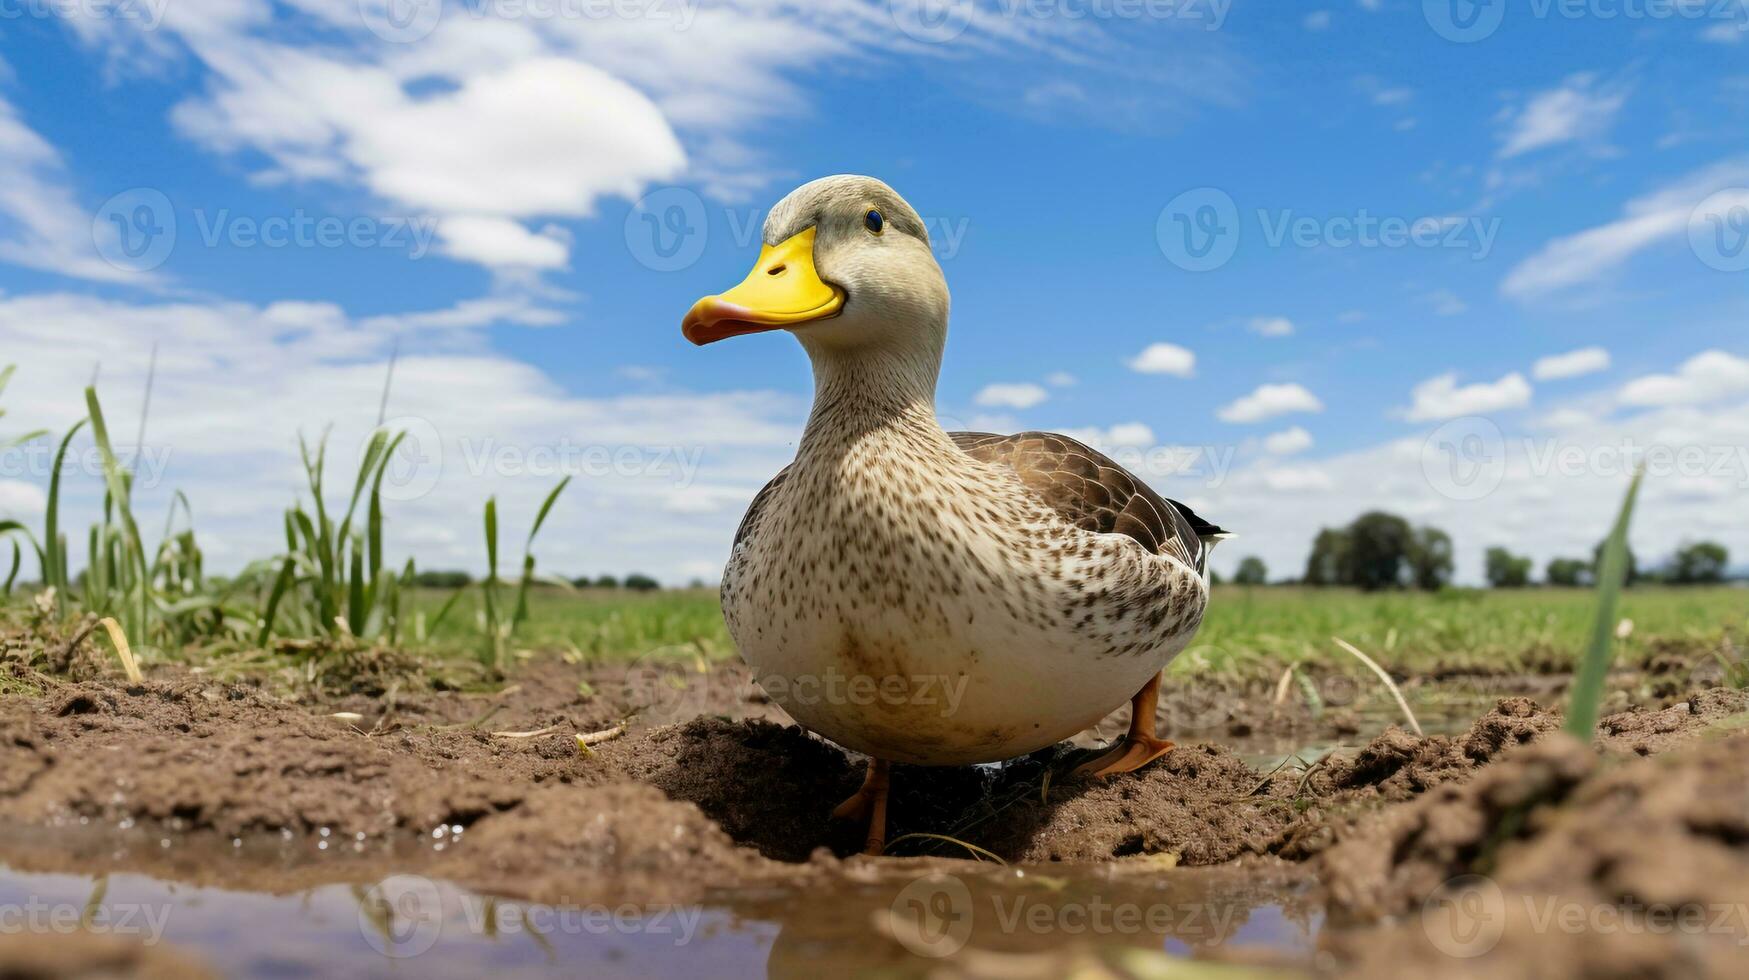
[1245, 627]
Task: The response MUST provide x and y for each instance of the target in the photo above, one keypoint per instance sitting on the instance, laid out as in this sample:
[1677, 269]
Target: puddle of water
[899, 921]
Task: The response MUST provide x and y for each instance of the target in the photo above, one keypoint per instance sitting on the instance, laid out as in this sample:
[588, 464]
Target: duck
[927, 597]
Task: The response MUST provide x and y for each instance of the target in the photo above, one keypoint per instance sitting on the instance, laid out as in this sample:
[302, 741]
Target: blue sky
[1576, 177]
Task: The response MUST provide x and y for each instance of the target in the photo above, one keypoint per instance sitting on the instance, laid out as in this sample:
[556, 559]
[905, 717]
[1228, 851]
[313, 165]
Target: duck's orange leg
[870, 804]
[1140, 746]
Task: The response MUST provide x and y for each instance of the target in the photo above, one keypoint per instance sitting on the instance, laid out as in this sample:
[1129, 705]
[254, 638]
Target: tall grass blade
[1587, 695]
[540, 518]
[134, 546]
[54, 563]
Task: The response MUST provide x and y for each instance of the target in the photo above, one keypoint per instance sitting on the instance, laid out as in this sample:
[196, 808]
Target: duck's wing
[756, 509]
[1090, 490]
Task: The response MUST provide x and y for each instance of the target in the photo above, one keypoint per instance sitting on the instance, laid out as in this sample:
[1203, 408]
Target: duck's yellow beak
[782, 290]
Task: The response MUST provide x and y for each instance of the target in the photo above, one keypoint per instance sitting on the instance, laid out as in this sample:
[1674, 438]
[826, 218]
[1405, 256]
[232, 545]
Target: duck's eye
[873, 221]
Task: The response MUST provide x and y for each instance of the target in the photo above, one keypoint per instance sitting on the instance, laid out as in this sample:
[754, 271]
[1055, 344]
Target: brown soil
[82, 956]
[1558, 862]
[735, 797]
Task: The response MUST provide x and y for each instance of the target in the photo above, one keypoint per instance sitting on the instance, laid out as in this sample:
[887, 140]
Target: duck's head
[845, 264]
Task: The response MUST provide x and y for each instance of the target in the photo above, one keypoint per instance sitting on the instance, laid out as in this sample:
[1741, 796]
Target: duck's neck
[872, 391]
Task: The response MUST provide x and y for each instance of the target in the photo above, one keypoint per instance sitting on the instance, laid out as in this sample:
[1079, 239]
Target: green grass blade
[118, 490]
[279, 589]
[521, 613]
[546, 508]
[1587, 692]
[443, 611]
[12, 576]
[492, 538]
[54, 542]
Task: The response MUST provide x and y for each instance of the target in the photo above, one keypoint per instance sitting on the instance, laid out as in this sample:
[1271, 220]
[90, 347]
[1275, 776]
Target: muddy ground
[699, 787]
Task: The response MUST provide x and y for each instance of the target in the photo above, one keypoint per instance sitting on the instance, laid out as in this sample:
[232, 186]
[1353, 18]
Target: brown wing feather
[1090, 490]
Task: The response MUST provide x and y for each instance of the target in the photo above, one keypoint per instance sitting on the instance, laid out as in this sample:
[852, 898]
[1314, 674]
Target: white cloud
[1317, 20]
[1578, 109]
[1726, 33]
[1558, 492]
[1585, 360]
[1297, 479]
[1443, 398]
[21, 501]
[1164, 358]
[1288, 441]
[1706, 377]
[1662, 215]
[1271, 400]
[1271, 326]
[495, 426]
[50, 230]
[501, 242]
[501, 117]
[1060, 379]
[1393, 96]
[1019, 395]
[1446, 303]
[1122, 435]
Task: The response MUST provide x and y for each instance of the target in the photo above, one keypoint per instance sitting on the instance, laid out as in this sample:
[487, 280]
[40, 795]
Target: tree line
[1383, 551]
[635, 582]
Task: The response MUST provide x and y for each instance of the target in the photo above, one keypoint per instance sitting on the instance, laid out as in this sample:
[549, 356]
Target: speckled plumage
[997, 594]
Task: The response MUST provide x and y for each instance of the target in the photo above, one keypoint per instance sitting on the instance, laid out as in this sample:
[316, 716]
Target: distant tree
[697, 583]
[1431, 560]
[442, 579]
[1633, 574]
[1567, 571]
[1328, 563]
[1506, 570]
[641, 583]
[1214, 577]
[1252, 571]
[1699, 562]
[1379, 548]
[607, 582]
